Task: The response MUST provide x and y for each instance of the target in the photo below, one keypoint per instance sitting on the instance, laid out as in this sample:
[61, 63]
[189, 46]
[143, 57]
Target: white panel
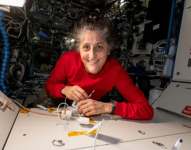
[7, 119]
[175, 98]
[18, 3]
[182, 72]
[147, 144]
[42, 130]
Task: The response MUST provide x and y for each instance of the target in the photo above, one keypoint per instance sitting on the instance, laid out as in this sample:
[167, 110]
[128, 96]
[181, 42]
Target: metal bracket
[142, 132]
[188, 8]
[58, 143]
[159, 144]
[186, 126]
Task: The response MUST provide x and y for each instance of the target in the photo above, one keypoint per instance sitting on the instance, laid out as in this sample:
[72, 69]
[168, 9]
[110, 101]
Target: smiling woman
[94, 39]
[90, 67]
[93, 51]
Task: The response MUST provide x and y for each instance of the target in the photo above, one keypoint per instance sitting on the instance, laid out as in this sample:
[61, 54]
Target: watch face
[113, 103]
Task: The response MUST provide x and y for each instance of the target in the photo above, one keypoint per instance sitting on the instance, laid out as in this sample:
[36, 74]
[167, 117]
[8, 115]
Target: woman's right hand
[75, 93]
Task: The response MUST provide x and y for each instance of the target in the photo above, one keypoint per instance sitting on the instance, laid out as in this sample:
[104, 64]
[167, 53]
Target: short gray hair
[101, 26]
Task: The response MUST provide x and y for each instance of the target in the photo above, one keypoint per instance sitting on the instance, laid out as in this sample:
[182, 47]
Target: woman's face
[93, 51]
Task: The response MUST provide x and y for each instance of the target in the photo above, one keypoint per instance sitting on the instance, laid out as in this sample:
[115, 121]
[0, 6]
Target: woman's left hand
[92, 107]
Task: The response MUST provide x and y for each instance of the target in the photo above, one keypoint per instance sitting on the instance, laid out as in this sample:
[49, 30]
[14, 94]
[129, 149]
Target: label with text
[3, 103]
[187, 110]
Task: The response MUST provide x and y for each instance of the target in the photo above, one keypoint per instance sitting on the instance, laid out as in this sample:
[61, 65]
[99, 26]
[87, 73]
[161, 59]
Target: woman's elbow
[150, 113]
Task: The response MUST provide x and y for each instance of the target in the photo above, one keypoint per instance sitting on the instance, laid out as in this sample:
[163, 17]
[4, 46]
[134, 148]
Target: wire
[53, 115]
[59, 117]
[11, 23]
[7, 19]
[22, 70]
[33, 111]
[43, 113]
[91, 94]
[96, 135]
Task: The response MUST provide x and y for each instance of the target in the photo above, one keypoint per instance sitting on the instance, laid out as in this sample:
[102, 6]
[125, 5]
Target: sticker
[189, 62]
[91, 120]
[3, 103]
[81, 133]
[156, 26]
[66, 114]
[187, 110]
[25, 111]
[51, 109]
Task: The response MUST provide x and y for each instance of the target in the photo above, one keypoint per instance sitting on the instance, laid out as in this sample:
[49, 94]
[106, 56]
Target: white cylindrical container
[66, 114]
[83, 120]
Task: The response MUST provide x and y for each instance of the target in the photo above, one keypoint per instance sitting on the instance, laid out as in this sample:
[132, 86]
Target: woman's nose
[92, 54]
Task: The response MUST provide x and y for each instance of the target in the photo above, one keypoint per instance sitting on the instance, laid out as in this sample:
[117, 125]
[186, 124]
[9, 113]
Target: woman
[90, 67]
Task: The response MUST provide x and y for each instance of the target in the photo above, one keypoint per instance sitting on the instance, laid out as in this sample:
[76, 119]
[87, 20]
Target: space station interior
[153, 50]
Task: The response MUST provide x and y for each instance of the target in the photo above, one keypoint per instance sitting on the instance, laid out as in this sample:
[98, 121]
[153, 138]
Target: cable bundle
[5, 38]
[11, 24]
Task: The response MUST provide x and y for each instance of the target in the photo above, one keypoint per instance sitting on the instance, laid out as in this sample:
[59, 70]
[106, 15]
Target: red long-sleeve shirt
[70, 71]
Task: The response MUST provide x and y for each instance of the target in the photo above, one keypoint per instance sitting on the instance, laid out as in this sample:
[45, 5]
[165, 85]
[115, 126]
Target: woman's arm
[55, 83]
[56, 87]
[137, 107]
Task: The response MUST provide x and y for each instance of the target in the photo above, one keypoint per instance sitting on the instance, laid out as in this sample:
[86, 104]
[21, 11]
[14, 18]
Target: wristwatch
[113, 104]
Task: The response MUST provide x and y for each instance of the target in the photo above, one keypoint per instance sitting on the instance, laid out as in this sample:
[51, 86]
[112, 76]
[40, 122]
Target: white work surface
[7, 119]
[42, 130]
[147, 144]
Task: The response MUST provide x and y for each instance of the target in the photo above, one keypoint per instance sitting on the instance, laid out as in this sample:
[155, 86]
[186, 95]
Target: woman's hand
[75, 93]
[91, 107]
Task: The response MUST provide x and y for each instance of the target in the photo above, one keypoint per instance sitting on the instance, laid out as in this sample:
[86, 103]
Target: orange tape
[81, 133]
[64, 112]
[51, 109]
[91, 120]
[25, 111]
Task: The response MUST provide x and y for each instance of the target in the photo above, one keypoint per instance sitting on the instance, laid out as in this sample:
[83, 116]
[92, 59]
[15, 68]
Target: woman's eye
[86, 47]
[100, 47]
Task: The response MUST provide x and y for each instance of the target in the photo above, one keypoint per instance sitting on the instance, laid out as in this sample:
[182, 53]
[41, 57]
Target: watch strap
[113, 103]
